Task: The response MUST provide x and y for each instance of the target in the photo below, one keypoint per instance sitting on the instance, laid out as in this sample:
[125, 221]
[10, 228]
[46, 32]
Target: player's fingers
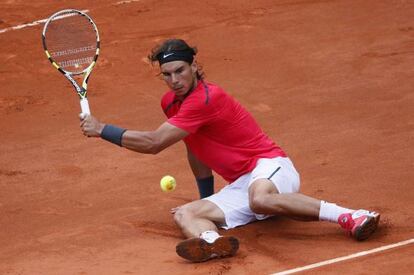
[173, 210]
[82, 116]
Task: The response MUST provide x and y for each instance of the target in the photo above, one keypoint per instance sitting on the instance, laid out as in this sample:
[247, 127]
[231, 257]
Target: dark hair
[174, 45]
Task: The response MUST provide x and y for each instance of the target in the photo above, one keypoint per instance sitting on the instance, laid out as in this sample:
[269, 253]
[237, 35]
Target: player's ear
[194, 67]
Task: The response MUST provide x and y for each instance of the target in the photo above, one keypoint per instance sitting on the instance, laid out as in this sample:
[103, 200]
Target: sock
[205, 186]
[209, 236]
[331, 212]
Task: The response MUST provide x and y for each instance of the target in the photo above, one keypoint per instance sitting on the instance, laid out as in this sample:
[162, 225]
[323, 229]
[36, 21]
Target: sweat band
[113, 134]
[174, 55]
[205, 186]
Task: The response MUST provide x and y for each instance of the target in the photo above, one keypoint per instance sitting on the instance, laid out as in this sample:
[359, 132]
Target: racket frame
[81, 90]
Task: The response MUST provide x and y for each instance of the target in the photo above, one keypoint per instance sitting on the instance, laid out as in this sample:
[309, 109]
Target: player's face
[180, 76]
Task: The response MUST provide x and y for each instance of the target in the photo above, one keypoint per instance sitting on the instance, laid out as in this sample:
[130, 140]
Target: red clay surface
[330, 81]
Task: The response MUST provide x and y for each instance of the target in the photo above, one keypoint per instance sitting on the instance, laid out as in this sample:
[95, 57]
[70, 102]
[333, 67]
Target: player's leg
[265, 199]
[227, 209]
[198, 216]
[274, 192]
[197, 221]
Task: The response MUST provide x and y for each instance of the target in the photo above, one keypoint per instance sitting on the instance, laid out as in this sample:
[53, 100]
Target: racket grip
[85, 106]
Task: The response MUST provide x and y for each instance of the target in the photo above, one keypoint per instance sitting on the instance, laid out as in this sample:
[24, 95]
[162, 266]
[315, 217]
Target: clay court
[330, 81]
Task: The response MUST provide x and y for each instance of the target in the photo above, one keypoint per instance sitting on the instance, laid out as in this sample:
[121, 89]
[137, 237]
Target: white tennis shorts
[233, 199]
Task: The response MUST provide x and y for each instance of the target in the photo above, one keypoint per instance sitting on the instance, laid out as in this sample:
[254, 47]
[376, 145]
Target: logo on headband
[175, 55]
[167, 55]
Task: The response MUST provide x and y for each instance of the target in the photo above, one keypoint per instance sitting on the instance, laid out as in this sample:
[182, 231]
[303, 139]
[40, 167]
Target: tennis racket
[71, 43]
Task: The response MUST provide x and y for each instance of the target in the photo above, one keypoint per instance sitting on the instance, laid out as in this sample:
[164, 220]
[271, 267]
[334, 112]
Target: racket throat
[82, 93]
[79, 90]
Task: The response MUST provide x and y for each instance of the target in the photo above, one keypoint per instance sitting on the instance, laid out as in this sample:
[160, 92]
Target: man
[222, 136]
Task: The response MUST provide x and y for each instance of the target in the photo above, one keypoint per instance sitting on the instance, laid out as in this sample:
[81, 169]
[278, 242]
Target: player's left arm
[147, 142]
[199, 169]
[203, 175]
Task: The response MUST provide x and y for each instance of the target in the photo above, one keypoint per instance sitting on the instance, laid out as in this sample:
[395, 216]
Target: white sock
[209, 236]
[331, 212]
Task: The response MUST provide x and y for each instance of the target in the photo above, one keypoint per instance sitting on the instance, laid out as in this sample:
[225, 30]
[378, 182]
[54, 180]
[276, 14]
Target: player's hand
[90, 126]
[175, 209]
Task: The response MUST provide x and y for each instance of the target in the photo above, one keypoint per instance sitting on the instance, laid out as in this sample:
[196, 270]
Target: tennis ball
[167, 183]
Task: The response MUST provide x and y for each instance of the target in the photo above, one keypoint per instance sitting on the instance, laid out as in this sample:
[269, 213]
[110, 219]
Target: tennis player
[221, 136]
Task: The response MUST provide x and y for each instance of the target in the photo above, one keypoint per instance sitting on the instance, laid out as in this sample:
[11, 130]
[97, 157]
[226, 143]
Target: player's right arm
[147, 142]
[153, 142]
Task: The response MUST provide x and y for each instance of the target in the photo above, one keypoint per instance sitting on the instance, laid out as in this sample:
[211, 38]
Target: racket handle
[85, 106]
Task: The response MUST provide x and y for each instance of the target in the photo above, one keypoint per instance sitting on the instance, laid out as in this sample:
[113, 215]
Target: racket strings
[71, 41]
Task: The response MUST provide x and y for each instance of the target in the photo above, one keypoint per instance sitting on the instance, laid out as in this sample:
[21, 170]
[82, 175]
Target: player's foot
[360, 224]
[199, 250]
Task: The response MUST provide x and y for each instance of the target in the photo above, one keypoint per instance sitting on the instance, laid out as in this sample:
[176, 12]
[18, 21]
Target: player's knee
[262, 194]
[265, 204]
[182, 214]
[257, 204]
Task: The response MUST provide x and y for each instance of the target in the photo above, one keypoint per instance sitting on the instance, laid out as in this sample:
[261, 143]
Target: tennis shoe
[199, 250]
[359, 224]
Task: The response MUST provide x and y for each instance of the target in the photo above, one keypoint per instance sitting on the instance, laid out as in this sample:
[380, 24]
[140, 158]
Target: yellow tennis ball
[168, 183]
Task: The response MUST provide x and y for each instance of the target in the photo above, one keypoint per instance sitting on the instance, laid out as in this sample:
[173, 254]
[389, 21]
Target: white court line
[344, 258]
[38, 22]
[34, 23]
[126, 2]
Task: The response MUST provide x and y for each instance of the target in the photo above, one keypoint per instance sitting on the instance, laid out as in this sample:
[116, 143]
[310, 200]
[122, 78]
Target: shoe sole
[367, 228]
[198, 250]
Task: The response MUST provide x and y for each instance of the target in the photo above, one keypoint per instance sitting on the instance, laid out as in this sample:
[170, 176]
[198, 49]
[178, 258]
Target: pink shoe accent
[360, 224]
